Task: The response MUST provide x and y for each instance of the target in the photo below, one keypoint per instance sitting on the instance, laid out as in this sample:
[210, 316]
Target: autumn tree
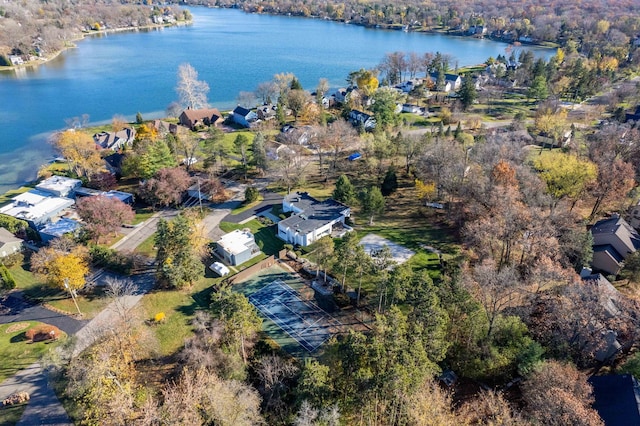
[178, 260]
[81, 152]
[372, 202]
[147, 158]
[192, 93]
[292, 167]
[566, 175]
[103, 215]
[426, 191]
[60, 268]
[323, 254]
[558, 394]
[201, 397]
[297, 99]
[612, 185]
[384, 105]
[410, 147]
[166, 188]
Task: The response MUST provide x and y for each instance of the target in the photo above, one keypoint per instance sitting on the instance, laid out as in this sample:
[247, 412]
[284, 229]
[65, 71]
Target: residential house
[452, 82]
[115, 140]
[114, 163]
[311, 219]
[194, 118]
[16, 59]
[125, 197]
[276, 149]
[164, 128]
[237, 247]
[340, 95]
[359, 118]
[477, 30]
[36, 207]
[243, 116]
[613, 240]
[634, 221]
[617, 399]
[59, 186]
[635, 116]
[9, 243]
[267, 112]
[58, 228]
[414, 109]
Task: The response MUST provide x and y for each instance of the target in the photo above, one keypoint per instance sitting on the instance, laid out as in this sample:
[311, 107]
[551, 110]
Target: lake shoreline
[71, 44]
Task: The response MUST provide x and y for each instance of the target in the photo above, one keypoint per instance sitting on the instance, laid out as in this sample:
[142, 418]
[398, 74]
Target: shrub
[16, 398]
[251, 194]
[43, 332]
[7, 282]
[13, 259]
[108, 258]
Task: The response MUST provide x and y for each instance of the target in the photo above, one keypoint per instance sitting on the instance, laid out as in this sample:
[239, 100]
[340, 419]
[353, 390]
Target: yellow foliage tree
[59, 268]
[552, 123]
[426, 190]
[80, 151]
[367, 82]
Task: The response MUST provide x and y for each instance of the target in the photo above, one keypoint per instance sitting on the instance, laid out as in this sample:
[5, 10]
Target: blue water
[130, 72]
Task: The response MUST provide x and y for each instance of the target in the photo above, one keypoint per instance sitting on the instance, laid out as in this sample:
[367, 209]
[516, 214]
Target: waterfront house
[59, 186]
[194, 118]
[243, 116]
[311, 219]
[36, 207]
[115, 140]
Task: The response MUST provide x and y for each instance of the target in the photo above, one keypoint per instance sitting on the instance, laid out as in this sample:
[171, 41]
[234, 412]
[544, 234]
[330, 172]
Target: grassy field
[7, 196]
[265, 236]
[90, 304]
[11, 415]
[148, 247]
[16, 352]
[142, 215]
[179, 307]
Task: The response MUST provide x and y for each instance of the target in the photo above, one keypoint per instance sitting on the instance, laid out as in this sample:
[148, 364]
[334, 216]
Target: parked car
[354, 156]
[219, 269]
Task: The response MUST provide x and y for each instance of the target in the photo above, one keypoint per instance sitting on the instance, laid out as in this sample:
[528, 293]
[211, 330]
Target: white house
[36, 207]
[237, 247]
[311, 219]
[359, 118]
[60, 186]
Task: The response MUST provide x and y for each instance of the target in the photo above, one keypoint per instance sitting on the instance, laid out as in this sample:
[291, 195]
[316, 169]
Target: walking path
[44, 407]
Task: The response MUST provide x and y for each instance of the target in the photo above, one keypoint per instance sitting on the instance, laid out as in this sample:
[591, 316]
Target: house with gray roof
[9, 243]
[613, 240]
[115, 140]
[311, 219]
[243, 116]
[617, 398]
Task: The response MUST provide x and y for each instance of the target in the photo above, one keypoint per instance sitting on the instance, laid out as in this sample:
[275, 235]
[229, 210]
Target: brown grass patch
[19, 326]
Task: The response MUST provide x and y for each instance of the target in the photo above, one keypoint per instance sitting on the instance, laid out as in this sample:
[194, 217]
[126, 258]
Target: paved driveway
[270, 199]
[20, 309]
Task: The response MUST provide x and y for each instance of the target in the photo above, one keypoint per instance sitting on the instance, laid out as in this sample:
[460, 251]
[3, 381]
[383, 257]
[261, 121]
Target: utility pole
[199, 195]
[73, 295]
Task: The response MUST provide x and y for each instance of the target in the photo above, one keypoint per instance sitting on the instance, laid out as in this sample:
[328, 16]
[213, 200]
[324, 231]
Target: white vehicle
[219, 269]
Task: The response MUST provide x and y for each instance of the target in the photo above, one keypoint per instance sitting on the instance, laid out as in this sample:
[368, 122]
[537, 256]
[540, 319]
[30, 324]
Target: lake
[128, 72]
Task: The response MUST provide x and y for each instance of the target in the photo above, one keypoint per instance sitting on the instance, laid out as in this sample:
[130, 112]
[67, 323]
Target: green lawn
[7, 196]
[142, 215]
[90, 303]
[17, 353]
[179, 307]
[11, 415]
[147, 247]
[265, 236]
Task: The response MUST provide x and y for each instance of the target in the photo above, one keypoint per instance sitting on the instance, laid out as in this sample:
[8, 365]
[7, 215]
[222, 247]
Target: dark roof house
[613, 240]
[193, 118]
[617, 399]
[115, 140]
[311, 219]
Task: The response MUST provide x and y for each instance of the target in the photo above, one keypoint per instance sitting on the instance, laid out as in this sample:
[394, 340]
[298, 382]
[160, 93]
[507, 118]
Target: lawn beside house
[265, 236]
[91, 303]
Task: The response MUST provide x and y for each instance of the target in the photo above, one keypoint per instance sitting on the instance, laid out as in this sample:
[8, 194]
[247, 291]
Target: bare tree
[267, 92]
[192, 93]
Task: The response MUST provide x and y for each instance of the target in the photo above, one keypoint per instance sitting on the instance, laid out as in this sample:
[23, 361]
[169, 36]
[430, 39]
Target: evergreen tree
[467, 93]
[344, 191]
[281, 115]
[372, 202]
[295, 84]
[259, 152]
[390, 182]
[139, 119]
[458, 131]
[178, 261]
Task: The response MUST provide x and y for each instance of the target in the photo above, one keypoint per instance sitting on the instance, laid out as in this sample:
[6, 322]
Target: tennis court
[302, 320]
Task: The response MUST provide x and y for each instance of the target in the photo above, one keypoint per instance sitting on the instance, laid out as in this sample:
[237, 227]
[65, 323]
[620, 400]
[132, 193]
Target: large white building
[311, 219]
[36, 207]
[237, 247]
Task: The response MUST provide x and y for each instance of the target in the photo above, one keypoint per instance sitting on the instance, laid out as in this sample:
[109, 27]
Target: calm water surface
[128, 72]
